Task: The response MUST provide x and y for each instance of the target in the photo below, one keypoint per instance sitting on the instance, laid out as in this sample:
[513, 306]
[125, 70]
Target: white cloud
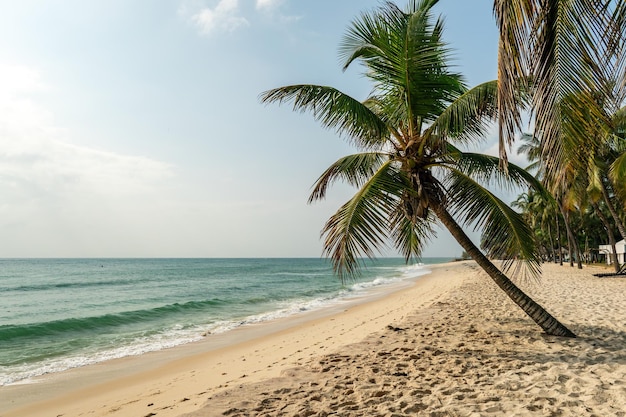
[36, 160]
[15, 79]
[271, 8]
[224, 16]
[267, 4]
[61, 199]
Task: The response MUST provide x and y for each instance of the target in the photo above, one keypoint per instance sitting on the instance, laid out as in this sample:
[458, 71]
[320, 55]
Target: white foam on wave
[179, 334]
[176, 336]
[299, 306]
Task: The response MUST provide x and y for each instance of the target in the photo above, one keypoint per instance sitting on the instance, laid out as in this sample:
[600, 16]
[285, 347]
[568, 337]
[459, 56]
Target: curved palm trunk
[549, 324]
[609, 232]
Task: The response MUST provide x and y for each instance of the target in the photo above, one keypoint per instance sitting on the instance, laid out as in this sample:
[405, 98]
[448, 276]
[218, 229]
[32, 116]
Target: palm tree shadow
[594, 345]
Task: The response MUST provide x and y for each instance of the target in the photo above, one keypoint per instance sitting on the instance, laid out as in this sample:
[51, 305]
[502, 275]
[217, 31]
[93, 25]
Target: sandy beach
[451, 345]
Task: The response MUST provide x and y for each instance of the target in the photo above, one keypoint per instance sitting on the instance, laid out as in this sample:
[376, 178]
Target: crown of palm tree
[409, 129]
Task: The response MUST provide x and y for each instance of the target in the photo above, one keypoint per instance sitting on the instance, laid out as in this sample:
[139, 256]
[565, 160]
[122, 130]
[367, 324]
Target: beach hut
[620, 248]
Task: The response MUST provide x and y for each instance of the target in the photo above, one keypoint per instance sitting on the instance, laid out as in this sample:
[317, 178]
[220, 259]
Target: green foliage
[571, 57]
[410, 168]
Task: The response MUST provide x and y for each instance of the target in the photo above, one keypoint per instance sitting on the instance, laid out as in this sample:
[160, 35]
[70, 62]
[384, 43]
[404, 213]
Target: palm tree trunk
[571, 240]
[551, 242]
[611, 235]
[579, 254]
[570, 249]
[558, 239]
[614, 214]
[538, 314]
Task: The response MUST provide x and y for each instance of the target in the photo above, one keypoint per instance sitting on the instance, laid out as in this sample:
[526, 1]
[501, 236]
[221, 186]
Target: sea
[58, 314]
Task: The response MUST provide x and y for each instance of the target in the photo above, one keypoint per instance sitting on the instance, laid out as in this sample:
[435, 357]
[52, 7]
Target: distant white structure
[620, 248]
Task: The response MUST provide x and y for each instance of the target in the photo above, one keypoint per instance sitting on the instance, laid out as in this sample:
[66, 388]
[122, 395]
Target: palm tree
[618, 166]
[410, 173]
[610, 168]
[610, 234]
[538, 209]
[570, 55]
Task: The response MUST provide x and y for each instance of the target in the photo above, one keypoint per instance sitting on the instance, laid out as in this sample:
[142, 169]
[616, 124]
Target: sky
[134, 128]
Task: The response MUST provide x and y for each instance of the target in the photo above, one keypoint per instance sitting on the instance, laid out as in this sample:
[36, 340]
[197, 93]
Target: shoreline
[111, 387]
[178, 317]
[473, 352]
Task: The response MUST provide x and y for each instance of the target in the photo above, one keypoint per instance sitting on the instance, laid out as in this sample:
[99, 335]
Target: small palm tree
[410, 173]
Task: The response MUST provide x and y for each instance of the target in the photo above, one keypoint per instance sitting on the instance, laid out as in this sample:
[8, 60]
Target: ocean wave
[69, 285]
[297, 306]
[136, 332]
[99, 323]
[25, 372]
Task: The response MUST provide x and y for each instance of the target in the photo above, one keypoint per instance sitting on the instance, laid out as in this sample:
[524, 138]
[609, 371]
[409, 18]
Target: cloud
[271, 8]
[268, 4]
[63, 199]
[15, 79]
[223, 17]
[37, 161]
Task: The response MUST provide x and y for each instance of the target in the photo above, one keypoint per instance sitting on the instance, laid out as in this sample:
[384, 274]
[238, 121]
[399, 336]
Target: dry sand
[473, 353]
[452, 345]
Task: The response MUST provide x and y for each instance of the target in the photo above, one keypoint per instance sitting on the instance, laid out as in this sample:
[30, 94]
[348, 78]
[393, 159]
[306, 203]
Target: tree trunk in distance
[611, 235]
[579, 254]
[551, 242]
[538, 314]
[558, 240]
[614, 214]
[571, 241]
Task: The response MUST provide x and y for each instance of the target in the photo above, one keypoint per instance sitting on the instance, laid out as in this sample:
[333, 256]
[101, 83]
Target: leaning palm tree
[410, 172]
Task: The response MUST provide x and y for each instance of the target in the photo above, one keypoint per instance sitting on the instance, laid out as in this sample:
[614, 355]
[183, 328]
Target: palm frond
[617, 170]
[619, 123]
[410, 237]
[531, 147]
[515, 21]
[333, 109]
[594, 184]
[353, 169]
[617, 173]
[569, 75]
[429, 84]
[467, 118]
[568, 49]
[361, 225]
[486, 169]
[405, 57]
[505, 234]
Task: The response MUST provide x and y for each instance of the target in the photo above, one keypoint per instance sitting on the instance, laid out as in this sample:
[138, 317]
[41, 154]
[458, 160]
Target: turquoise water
[57, 314]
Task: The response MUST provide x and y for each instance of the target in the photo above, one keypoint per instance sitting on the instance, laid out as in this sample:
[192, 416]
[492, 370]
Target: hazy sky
[133, 128]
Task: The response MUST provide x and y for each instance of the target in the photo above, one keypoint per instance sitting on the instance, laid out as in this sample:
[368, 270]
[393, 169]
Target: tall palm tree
[618, 166]
[410, 173]
[568, 53]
